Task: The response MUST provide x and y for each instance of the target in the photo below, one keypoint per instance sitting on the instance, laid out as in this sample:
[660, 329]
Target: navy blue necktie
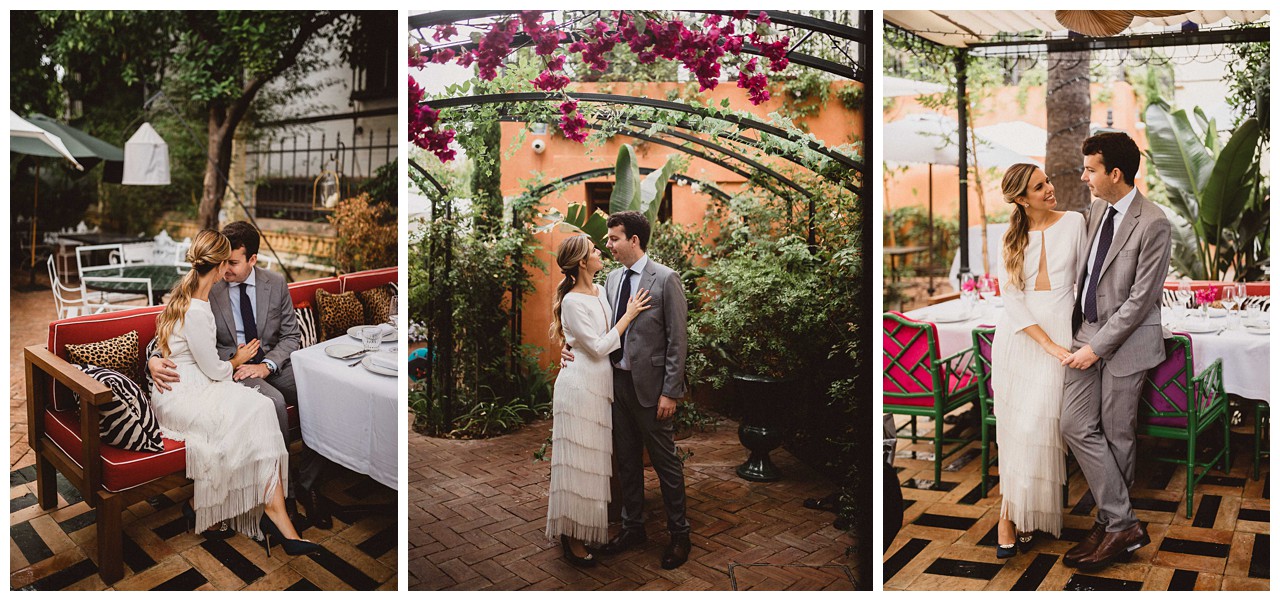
[619, 311]
[250, 326]
[1104, 245]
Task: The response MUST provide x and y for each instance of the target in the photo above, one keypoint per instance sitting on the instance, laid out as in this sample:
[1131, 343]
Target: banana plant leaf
[653, 188]
[1226, 193]
[626, 184]
[1180, 157]
[577, 221]
[1185, 255]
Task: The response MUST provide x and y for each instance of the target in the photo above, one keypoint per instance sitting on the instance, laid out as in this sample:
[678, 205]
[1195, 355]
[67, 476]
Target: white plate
[368, 364]
[1264, 329]
[340, 350]
[354, 332]
[1197, 327]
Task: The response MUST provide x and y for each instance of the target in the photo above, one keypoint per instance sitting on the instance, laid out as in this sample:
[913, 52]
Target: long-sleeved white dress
[235, 453]
[582, 423]
[1027, 382]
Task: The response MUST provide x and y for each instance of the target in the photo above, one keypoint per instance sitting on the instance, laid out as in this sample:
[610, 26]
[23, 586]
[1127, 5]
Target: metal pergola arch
[812, 25]
[569, 180]
[598, 98]
[640, 134]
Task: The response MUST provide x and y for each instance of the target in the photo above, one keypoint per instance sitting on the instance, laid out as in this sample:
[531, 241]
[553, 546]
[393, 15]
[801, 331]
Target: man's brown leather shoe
[677, 552]
[1086, 546]
[1115, 546]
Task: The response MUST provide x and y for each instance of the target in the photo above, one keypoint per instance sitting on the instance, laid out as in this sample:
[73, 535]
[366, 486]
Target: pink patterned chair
[1179, 404]
[917, 382]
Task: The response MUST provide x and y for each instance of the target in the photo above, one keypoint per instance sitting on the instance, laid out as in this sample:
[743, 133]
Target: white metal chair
[180, 252]
[137, 252]
[115, 258]
[67, 306]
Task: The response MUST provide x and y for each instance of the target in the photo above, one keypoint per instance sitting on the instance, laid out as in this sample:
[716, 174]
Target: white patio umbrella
[898, 86]
[21, 128]
[1018, 136]
[930, 138]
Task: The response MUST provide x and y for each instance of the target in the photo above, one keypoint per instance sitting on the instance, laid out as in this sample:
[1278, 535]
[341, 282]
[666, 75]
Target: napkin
[386, 361]
[385, 330]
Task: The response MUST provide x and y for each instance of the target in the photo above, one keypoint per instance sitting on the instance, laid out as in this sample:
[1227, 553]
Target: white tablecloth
[348, 414]
[1245, 357]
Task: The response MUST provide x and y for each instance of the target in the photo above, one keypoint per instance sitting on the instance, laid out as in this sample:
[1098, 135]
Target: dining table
[107, 278]
[1245, 350]
[348, 410]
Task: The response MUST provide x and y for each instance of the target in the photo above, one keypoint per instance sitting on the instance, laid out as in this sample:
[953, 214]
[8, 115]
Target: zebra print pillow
[126, 421]
[306, 317]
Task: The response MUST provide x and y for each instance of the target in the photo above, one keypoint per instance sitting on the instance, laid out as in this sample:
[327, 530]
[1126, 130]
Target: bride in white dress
[235, 453]
[1041, 262]
[582, 422]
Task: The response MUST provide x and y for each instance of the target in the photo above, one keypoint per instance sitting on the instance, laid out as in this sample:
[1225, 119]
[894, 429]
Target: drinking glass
[1184, 297]
[371, 338]
[1229, 302]
[1253, 314]
[968, 291]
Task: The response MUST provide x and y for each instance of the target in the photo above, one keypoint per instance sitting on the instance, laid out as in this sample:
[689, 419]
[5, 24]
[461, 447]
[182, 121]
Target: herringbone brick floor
[477, 509]
[948, 535]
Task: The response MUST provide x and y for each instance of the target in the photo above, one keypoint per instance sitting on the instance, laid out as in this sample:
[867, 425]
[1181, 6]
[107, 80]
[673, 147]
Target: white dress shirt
[636, 269]
[1121, 207]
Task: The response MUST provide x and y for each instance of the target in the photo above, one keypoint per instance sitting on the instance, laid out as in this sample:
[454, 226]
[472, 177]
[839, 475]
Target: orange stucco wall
[834, 125]
[909, 186]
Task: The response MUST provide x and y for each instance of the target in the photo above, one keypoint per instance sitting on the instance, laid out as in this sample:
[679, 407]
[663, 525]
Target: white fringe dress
[582, 423]
[1028, 383]
[235, 453]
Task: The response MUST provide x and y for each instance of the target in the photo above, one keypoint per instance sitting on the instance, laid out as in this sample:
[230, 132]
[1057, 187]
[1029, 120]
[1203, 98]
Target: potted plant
[761, 327]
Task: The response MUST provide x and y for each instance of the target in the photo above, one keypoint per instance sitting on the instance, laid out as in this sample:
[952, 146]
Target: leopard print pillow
[119, 354]
[377, 304]
[337, 313]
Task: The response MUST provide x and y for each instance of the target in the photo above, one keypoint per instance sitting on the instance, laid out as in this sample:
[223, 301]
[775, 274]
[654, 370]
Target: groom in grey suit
[251, 303]
[1117, 339]
[648, 381]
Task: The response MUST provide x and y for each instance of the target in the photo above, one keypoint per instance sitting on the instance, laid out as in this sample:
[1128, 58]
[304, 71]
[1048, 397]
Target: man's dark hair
[633, 224]
[1118, 151]
[243, 235]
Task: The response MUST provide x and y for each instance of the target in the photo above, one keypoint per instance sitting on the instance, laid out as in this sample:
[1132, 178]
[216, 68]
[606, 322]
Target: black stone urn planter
[761, 430]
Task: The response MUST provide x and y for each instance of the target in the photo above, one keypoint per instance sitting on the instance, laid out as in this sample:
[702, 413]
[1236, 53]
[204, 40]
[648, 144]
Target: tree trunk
[977, 183]
[218, 163]
[1068, 105]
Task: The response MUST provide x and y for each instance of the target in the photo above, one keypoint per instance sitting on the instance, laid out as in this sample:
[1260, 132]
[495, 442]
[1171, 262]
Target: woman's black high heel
[569, 556]
[1006, 551]
[218, 532]
[291, 546]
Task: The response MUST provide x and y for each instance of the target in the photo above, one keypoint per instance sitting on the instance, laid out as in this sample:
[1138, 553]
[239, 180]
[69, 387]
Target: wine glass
[986, 289]
[1230, 303]
[1184, 296]
[393, 317]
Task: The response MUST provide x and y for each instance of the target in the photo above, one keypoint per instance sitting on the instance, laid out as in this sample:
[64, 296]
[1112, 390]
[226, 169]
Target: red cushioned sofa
[66, 438]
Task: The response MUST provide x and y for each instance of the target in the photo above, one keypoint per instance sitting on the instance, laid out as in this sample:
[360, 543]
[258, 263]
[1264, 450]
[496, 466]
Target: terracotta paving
[477, 509]
[947, 541]
[57, 548]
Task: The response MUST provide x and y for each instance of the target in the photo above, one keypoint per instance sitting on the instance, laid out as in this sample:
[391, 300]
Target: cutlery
[353, 355]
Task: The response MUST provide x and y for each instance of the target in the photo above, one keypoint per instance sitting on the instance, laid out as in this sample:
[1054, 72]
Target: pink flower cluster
[756, 84]
[701, 50]
[572, 124]
[422, 121]
[1205, 296]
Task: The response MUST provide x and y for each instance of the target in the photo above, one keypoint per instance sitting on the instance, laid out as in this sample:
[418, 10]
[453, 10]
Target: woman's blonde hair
[569, 257]
[1014, 186]
[207, 252]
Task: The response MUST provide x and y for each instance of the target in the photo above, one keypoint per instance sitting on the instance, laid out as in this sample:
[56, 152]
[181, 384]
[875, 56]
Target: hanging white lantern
[146, 159]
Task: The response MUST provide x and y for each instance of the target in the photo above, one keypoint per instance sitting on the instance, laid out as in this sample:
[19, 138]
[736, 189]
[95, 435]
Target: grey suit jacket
[657, 340]
[1129, 287]
[277, 326]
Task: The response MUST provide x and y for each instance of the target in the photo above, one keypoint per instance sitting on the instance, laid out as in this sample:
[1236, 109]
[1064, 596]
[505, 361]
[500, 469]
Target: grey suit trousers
[281, 389]
[634, 429]
[1099, 423]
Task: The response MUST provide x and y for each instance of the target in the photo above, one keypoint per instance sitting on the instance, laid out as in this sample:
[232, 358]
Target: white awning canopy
[963, 28]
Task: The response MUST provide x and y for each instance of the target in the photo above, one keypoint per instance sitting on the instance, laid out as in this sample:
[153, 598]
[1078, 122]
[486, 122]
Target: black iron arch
[747, 122]
[570, 180]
